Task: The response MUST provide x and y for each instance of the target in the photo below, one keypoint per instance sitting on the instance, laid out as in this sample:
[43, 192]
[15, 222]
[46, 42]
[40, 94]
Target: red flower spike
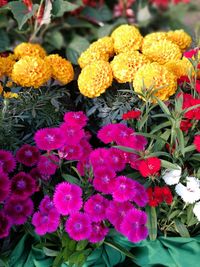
[185, 125]
[167, 195]
[157, 195]
[149, 166]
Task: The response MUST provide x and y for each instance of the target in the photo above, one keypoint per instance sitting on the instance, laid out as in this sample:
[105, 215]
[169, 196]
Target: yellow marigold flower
[62, 69]
[105, 45]
[29, 49]
[1, 88]
[10, 95]
[125, 65]
[181, 67]
[126, 38]
[6, 64]
[157, 77]
[163, 51]
[95, 78]
[92, 55]
[31, 71]
[151, 38]
[181, 38]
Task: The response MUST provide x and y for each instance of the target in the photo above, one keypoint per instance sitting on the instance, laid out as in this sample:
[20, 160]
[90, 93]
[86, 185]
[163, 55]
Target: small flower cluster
[152, 63]
[29, 66]
[115, 200]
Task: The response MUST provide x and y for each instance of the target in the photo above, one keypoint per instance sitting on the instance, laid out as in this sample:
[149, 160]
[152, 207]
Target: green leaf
[189, 148]
[81, 245]
[127, 149]
[195, 157]
[75, 48]
[181, 140]
[105, 30]
[4, 41]
[21, 12]
[101, 14]
[168, 165]
[55, 39]
[71, 179]
[59, 7]
[152, 222]
[77, 258]
[50, 252]
[161, 126]
[173, 214]
[119, 248]
[163, 106]
[58, 260]
[181, 228]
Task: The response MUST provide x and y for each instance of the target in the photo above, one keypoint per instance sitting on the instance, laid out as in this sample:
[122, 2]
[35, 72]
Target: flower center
[122, 186]
[18, 208]
[1, 163]
[78, 226]
[97, 207]
[50, 138]
[21, 184]
[150, 166]
[76, 116]
[28, 153]
[68, 197]
[106, 179]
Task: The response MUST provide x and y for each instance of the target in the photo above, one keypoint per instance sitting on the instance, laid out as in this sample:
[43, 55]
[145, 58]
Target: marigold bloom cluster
[131, 53]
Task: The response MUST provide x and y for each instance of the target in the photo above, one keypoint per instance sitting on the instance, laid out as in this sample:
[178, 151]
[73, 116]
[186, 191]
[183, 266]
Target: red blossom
[150, 166]
[3, 2]
[191, 53]
[29, 4]
[183, 79]
[188, 102]
[157, 195]
[133, 114]
[197, 142]
[185, 125]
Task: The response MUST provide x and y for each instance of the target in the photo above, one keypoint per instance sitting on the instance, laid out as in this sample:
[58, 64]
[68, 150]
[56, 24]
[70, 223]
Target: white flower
[172, 177]
[191, 192]
[196, 210]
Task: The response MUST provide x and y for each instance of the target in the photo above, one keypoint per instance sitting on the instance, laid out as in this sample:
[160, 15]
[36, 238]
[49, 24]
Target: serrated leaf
[59, 7]
[119, 248]
[21, 12]
[75, 48]
[152, 222]
[181, 228]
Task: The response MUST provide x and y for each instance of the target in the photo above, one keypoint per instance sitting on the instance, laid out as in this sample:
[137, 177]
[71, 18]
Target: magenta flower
[95, 207]
[22, 185]
[5, 225]
[99, 231]
[46, 222]
[49, 138]
[107, 133]
[140, 197]
[48, 165]
[18, 210]
[123, 134]
[103, 179]
[7, 161]
[67, 198]
[133, 160]
[76, 118]
[46, 204]
[116, 159]
[116, 212]
[35, 174]
[28, 155]
[78, 226]
[99, 158]
[86, 147]
[4, 186]
[133, 225]
[72, 134]
[71, 152]
[136, 142]
[123, 189]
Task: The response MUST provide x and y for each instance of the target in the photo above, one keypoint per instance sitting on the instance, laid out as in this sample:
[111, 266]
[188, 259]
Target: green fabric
[168, 252]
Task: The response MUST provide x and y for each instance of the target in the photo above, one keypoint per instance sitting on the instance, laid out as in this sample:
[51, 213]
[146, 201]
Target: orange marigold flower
[95, 78]
[126, 38]
[31, 72]
[181, 38]
[29, 49]
[156, 78]
[151, 38]
[105, 45]
[62, 69]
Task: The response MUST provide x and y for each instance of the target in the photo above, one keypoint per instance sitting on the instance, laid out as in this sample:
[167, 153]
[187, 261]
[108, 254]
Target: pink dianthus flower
[49, 138]
[7, 161]
[5, 225]
[48, 165]
[76, 118]
[116, 159]
[78, 226]
[99, 231]
[67, 198]
[28, 155]
[72, 133]
[107, 133]
[4, 186]
[103, 179]
[95, 207]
